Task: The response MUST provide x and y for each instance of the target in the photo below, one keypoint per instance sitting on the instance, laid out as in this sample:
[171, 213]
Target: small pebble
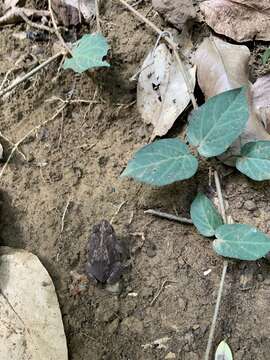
[170, 355]
[250, 205]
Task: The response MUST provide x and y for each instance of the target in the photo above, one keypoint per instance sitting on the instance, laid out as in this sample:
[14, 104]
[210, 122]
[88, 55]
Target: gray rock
[177, 12]
[107, 309]
[250, 205]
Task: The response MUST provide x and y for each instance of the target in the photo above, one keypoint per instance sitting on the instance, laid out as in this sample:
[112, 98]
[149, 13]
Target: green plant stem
[220, 197]
[224, 271]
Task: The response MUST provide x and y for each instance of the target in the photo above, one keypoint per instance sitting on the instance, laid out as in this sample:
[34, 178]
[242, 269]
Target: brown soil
[77, 158]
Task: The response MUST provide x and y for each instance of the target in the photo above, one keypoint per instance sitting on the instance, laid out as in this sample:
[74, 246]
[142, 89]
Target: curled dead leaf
[241, 20]
[222, 66]
[162, 93]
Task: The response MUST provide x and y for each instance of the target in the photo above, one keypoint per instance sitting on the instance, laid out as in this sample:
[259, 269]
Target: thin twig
[213, 325]
[19, 80]
[64, 215]
[169, 216]
[160, 290]
[12, 144]
[56, 28]
[34, 25]
[117, 211]
[173, 45]
[224, 271]
[97, 16]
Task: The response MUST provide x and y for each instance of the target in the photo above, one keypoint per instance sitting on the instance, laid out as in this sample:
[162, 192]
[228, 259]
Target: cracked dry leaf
[162, 93]
[241, 20]
[220, 67]
[31, 325]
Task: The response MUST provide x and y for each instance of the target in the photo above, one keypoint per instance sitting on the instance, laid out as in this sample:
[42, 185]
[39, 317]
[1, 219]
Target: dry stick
[117, 211]
[34, 25]
[174, 47]
[169, 216]
[97, 16]
[56, 29]
[222, 280]
[64, 215]
[165, 282]
[31, 73]
[11, 143]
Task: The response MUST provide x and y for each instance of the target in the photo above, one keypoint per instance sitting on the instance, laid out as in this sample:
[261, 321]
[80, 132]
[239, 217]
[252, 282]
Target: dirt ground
[76, 159]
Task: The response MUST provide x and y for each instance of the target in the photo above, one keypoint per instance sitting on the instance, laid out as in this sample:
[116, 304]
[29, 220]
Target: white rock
[31, 325]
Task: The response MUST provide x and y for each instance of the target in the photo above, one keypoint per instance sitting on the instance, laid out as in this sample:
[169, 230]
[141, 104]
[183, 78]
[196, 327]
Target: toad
[104, 254]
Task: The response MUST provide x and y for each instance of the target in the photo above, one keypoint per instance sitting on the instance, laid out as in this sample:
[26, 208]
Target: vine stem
[174, 47]
[224, 271]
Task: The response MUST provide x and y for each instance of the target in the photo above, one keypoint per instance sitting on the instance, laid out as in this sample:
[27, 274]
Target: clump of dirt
[76, 159]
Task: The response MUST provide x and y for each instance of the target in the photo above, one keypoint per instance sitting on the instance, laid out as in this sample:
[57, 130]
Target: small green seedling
[223, 352]
[87, 53]
[237, 241]
[212, 129]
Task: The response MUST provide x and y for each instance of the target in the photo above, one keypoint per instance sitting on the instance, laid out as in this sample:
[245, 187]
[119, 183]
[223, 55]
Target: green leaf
[88, 53]
[161, 163]
[241, 241]
[204, 215]
[223, 352]
[218, 122]
[265, 56]
[255, 160]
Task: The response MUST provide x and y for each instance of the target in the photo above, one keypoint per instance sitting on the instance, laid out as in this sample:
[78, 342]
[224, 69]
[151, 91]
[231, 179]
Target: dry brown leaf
[162, 93]
[261, 99]
[241, 20]
[71, 12]
[176, 12]
[220, 67]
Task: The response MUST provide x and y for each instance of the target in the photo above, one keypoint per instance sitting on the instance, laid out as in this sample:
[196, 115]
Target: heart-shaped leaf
[162, 162]
[241, 241]
[204, 215]
[218, 122]
[223, 352]
[255, 160]
[87, 53]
